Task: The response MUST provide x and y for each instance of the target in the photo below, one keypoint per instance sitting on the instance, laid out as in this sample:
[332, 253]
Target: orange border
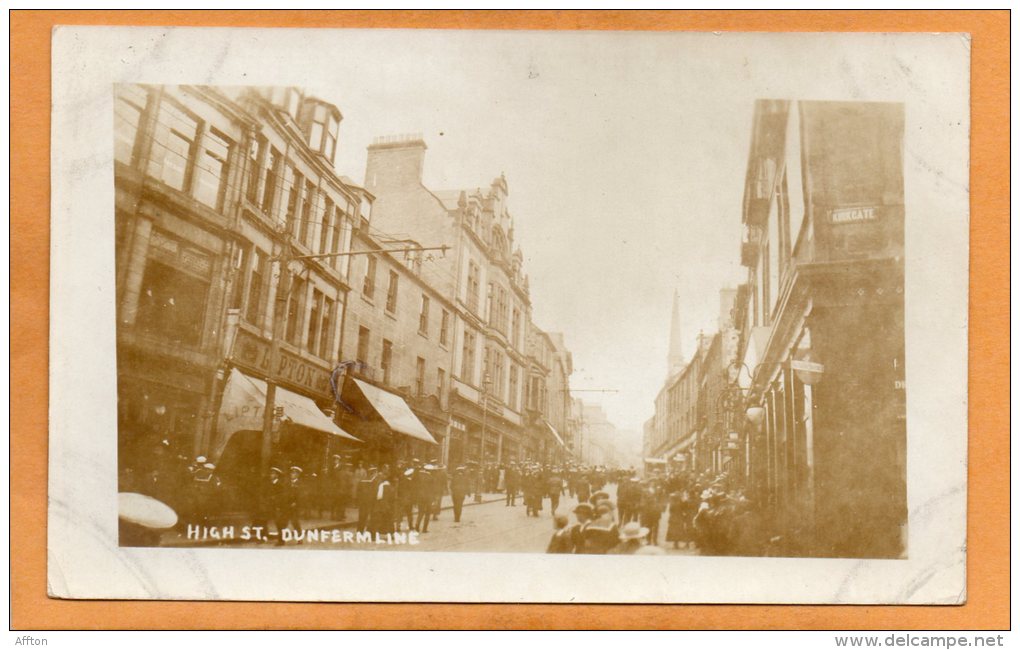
[988, 499]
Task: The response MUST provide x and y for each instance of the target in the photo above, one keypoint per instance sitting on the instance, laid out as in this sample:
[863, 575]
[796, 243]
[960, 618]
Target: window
[423, 316]
[515, 332]
[324, 131]
[512, 398]
[295, 300]
[314, 315]
[127, 117]
[306, 212]
[473, 286]
[499, 311]
[488, 305]
[271, 182]
[387, 359]
[328, 316]
[444, 328]
[175, 285]
[327, 225]
[210, 173]
[254, 168]
[419, 377]
[253, 308]
[343, 262]
[498, 367]
[293, 182]
[391, 293]
[172, 304]
[467, 368]
[171, 152]
[368, 289]
[363, 340]
[440, 381]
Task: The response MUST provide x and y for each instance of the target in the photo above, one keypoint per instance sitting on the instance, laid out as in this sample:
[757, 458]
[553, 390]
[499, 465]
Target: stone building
[821, 319]
[213, 188]
[481, 277]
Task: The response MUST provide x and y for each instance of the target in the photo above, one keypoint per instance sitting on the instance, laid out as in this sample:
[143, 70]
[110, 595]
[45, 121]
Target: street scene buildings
[299, 351]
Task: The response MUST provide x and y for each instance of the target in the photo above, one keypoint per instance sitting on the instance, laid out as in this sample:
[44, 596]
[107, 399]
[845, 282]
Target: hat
[409, 471]
[295, 467]
[209, 466]
[460, 468]
[276, 469]
[633, 530]
[200, 459]
[583, 507]
[429, 468]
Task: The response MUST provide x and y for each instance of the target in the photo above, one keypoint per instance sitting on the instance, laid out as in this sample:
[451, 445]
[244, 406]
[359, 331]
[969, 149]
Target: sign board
[251, 353]
[853, 215]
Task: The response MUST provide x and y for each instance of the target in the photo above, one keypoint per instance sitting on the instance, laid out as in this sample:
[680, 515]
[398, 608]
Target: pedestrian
[584, 513]
[651, 510]
[439, 482]
[276, 497]
[600, 534]
[292, 496]
[458, 490]
[405, 497]
[366, 496]
[554, 486]
[632, 538]
[561, 541]
[681, 516]
[513, 480]
[385, 503]
[423, 492]
[583, 487]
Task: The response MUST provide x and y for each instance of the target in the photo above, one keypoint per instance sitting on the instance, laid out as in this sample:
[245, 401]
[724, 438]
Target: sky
[624, 153]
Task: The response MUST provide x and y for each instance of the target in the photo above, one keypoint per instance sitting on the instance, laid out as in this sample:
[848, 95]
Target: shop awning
[395, 412]
[556, 435]
[244, 399]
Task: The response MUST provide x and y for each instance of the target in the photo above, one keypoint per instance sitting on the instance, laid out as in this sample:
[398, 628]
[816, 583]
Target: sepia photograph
[366, 297]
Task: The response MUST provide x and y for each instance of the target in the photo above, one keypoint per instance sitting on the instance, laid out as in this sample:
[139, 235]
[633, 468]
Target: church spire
[676, 355]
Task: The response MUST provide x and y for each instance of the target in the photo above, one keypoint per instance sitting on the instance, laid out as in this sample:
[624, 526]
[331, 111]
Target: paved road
[487, 527]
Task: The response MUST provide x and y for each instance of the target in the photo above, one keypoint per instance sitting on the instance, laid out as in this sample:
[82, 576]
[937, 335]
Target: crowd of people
[702, 512]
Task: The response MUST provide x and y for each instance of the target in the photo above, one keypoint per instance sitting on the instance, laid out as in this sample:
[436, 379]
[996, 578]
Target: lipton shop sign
[853, 215]
[252, 354]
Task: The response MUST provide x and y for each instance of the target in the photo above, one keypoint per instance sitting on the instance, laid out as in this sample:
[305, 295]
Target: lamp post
[481, 452]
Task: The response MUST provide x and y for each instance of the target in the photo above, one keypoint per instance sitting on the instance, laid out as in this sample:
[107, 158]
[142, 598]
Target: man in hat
[459, 486]
[406, 496]
[600, 534]
[562, 540]
[385, 502]
[439, 482]
[366, 497]
[423, 492]
[513, 484]
[584, 513]
[632, 538]
[291, 498]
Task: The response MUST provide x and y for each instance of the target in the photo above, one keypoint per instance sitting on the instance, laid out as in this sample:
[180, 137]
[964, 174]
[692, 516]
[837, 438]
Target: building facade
[482, 278]
[229, 215]
[821, 318]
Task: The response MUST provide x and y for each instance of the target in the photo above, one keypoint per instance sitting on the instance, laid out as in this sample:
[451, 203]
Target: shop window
[129, 106]
[173, 145]
[211, 170]
[172, 304]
